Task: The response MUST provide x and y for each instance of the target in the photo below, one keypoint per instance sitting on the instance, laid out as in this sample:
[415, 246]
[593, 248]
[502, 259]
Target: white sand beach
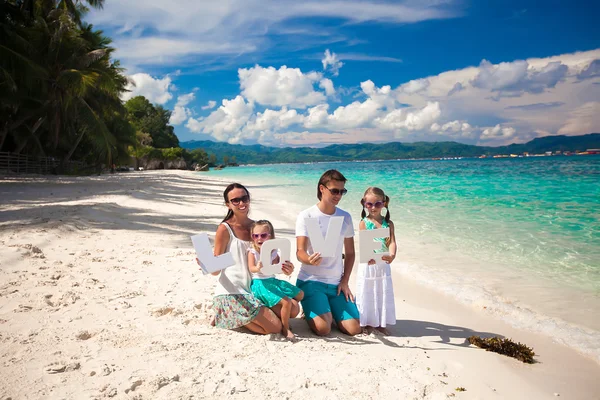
[100, 297]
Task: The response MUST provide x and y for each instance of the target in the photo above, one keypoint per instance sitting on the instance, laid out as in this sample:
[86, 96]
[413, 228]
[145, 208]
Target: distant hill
[258, 154]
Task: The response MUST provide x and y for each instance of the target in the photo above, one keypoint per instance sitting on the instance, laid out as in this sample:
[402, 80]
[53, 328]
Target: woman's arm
[221, 241]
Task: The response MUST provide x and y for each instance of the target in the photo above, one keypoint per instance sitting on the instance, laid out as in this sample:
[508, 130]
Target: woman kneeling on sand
[233, 304]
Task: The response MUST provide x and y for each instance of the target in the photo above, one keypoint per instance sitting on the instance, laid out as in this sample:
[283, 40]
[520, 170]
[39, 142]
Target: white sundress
[375, 291]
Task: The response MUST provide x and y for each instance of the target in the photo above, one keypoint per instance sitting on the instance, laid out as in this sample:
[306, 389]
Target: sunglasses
[336, 192]
[377, 204]
[263, 236]
[236, 201]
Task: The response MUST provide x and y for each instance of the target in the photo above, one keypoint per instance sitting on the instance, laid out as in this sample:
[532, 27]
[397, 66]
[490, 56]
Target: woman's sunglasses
[377, 204]
[236, 201]
[336, 192]
[262, 236]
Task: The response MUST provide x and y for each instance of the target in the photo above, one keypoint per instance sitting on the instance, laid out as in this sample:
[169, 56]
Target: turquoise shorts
[322, 298]
[270, 291]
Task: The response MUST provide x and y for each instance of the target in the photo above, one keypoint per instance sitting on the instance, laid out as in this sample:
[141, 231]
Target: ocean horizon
[519, 237]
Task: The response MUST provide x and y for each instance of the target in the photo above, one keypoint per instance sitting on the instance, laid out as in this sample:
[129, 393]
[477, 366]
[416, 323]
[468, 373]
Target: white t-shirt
[256, 254]
[331, 269]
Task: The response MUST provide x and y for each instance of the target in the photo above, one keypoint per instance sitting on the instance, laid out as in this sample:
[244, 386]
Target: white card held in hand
[204, 251]
[325, 245]
[283, 245]
[367, 244]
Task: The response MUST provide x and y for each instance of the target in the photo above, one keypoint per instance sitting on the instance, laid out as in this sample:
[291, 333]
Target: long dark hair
[226, 198]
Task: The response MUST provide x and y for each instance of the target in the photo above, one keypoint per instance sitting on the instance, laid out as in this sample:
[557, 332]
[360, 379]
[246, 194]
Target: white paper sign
[283, 245]
[208, 262]
[367, 244]
[328, 244]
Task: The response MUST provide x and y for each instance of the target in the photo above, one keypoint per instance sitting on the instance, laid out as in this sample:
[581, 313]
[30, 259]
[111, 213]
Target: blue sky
[286, 73]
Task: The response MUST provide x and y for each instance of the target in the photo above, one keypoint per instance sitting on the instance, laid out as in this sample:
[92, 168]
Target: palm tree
[59, 87]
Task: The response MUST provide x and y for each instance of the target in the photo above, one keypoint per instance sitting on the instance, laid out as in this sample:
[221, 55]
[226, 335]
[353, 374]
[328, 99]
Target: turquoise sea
[518, 236]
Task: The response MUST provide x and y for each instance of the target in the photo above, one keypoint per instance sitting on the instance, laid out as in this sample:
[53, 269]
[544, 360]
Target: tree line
[60, 91]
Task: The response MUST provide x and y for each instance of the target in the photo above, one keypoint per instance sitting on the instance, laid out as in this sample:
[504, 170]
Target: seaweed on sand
[504, 346]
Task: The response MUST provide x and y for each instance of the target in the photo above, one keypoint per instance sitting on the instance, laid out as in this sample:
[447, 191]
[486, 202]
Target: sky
[314, 73]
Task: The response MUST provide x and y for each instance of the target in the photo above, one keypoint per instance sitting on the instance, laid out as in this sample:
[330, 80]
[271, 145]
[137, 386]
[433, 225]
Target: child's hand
[287, 268]
[259, 265]
[388, 259]
[372, 262]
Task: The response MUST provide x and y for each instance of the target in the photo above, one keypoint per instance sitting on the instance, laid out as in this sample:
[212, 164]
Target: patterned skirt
[235, 310]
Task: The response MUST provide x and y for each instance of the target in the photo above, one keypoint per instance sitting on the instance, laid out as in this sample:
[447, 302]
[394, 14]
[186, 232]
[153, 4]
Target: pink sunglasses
[262, 236]
[377, 204]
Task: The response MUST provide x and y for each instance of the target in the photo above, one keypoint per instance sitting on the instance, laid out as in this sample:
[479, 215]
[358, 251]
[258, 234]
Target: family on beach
[246, 297]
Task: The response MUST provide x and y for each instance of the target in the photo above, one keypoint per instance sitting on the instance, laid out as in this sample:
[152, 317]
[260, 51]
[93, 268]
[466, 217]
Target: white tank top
[235, 279]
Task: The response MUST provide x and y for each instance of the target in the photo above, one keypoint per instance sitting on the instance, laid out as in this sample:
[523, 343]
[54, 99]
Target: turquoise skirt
[270, 291]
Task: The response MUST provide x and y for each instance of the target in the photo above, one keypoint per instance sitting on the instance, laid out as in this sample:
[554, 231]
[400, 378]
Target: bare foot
[290, 335]
[367, 330]
[383, 331]
[212, 320]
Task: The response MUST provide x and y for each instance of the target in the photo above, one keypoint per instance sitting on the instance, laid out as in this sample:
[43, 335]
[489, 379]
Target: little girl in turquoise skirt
[272, 292]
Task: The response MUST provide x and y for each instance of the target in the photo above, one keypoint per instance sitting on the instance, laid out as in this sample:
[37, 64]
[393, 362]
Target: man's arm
[344, 287]
[302, 255]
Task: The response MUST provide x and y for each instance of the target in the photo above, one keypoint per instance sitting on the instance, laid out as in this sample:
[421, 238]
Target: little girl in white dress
[375, 291]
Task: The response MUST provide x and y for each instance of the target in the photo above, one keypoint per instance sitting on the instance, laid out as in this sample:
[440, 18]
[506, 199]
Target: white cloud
[584, 119]
[354, 115]
[169, 32]
[331, 61]
[518, 76]
[226, 122]
[210, 105]
[317, 116]
[180, 112]
[455, 129]
[415, 119]
[497, 133]
[154, 89]
[425, 117]
[414, 86]
[271, 120]
[592, 71]
[533, 97]
[179, 115]
[280, 87]
[382, 96]
[327, 85]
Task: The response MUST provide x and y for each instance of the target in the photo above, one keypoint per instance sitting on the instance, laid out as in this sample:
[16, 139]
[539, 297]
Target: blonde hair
[262, 222]
[386, 203]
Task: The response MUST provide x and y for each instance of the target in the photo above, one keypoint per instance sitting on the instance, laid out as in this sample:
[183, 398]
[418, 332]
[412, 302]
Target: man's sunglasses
[336, 192]
[377, 204]
[236, 201]
[263, 236]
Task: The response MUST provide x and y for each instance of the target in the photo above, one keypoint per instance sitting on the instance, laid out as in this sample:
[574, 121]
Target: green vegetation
[60, 92]
[504, 346]
[59, 89]
[257, 154]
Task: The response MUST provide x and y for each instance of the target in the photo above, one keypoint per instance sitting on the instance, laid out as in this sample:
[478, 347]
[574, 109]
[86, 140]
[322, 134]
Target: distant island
[258, 154]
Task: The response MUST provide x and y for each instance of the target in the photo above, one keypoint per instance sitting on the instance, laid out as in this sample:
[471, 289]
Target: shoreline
[492, 297]
[127, 303]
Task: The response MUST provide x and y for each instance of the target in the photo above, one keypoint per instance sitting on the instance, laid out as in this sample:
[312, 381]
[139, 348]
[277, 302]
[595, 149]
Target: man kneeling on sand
[324, 280]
